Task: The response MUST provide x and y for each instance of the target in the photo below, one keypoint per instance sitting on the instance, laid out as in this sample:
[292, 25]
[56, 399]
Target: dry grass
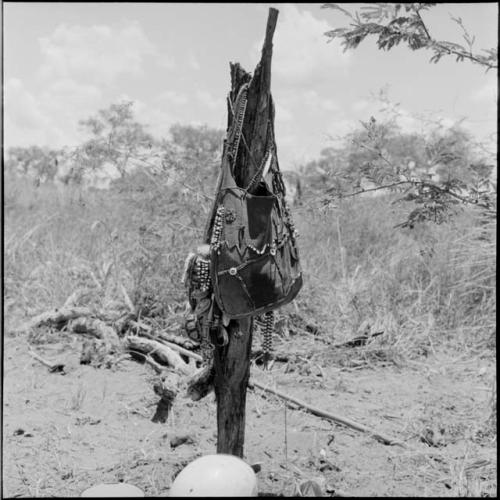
[426, 287]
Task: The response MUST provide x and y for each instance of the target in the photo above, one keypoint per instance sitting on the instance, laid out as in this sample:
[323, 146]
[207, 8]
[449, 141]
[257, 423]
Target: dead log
[95, 327]
[179, 340]
[121, 322]
[99, 350]
[171, 345]
[159, 351]
[57, 318]
[168, 337]
[95, 352]
[182, 351]
[145, 358]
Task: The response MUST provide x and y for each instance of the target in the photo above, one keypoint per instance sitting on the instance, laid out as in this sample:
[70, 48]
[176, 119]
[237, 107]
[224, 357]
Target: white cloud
[301, 53]
[49, 117]
[172, 97]
[69, 100]
[488, 92]
[96, 53]
[193, 62]
[409, 123]
[21, 107]
[302, 118]
[158, 120]
[208, 100]
[165, 61]
[316, 103]
[79, 67]
[360, 105]
[282, 113]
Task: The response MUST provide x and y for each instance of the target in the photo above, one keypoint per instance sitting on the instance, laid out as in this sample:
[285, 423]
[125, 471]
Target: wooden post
[232, 361]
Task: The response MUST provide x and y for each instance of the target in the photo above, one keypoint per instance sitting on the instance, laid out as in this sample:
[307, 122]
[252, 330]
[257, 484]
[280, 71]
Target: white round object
[215, 476]
[113, 490]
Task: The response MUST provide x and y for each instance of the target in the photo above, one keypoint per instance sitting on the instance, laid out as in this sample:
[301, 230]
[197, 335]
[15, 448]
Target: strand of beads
[203, 274]
[267, 337]
[256, 250]
[235, 135]
[215, 240]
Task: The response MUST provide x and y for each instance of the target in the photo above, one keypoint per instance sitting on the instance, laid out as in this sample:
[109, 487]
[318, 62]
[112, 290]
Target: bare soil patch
[65, 433]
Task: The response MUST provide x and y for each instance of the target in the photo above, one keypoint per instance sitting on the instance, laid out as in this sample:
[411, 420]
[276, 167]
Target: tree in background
[193, 154]
[115, 138]
[36, 162]
[439, 169]
[197, 141]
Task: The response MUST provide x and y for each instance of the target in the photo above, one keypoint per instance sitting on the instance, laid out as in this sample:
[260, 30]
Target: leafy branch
[394, 23]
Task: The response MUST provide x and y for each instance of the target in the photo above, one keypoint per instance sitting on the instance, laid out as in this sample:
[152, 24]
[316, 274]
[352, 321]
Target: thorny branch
[411, 29]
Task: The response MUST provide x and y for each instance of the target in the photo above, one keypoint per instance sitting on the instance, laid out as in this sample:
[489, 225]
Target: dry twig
[331, 416]
[53, 367]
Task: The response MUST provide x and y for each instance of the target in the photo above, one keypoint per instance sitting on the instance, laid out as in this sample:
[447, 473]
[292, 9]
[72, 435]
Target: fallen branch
[160, 351]
[179, 340]
[330, 416]
[280, 358]
[96, 328]
[97, 352]
[121, 321]
[175, 347]
[181, 350]
[147, 359]
[168, 337]
[361, 340]
[53, 367]
[139, 325]
[56, 317]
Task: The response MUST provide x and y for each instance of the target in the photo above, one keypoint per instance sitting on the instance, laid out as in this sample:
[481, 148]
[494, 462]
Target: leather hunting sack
[255, 264]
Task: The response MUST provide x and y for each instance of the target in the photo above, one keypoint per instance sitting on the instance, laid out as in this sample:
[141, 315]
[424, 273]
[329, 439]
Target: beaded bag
[251, 265]
[254, 260]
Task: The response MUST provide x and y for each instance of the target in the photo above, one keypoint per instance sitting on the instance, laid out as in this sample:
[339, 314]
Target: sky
[64, 61]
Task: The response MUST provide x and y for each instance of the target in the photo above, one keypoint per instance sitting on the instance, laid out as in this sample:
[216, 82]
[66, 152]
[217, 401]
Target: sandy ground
[65, 433]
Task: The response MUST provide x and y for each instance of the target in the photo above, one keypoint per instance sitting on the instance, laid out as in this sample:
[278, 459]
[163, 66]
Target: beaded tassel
[203, 274]
[217, 228]
[267, 337]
